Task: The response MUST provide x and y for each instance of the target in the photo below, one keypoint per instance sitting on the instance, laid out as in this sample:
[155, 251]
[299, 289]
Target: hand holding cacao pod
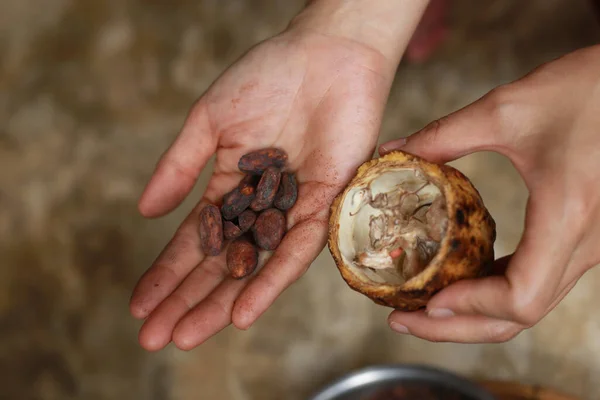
[547, 125]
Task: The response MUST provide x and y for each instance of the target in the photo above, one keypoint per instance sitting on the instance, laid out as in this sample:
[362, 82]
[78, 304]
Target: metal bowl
[366, 382]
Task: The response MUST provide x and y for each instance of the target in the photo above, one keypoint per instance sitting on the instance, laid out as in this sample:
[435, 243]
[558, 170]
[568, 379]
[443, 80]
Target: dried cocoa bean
[258, 161]
[231, 230]
[248, 183]
[246, 220]
[239, 199]
[211, 230]
[269, 228]
[266, 189]
[288, 192]
[242, 258]
[234, 203]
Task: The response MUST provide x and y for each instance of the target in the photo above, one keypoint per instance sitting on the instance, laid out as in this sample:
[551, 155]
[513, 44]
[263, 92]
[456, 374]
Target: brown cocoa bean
[231, 230]
[266, 189]
[269, 229]
[239, 199]
[287, 194]
[246, 220]
[248, 183]
[234, 203]
[242, 258]
[211, 230]
[258, 161]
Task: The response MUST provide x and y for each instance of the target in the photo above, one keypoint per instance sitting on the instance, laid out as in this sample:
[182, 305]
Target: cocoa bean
[269, 229]
[211, 230]
[258, 161]
[287, 194]
[231, 230]
[239, 199]
[246, 220]
[242, 258]
[234, 203]
[248, 183]
[266, 189]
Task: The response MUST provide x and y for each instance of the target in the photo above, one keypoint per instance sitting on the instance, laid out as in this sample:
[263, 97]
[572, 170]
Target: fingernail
[392, 145]
[440, 313]
[399, 328]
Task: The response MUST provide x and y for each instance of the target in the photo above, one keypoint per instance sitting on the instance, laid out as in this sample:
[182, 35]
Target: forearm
[384, 25]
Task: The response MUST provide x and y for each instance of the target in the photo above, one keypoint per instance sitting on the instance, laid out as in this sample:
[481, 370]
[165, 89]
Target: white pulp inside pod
[391, 228]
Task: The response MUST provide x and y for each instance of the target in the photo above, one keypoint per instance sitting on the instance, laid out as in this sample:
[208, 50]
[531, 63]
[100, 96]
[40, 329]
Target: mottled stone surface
[91, 92]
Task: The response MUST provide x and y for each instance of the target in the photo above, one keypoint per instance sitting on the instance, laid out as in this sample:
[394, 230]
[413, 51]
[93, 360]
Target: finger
[532, 280]
[158, 328]
[209, 317]
[300, 246]
[179, 167]
[180, 256]
[457, 329]
[465, 131]
[446, 303]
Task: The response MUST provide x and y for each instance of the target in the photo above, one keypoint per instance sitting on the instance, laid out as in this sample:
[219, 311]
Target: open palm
[321, 100]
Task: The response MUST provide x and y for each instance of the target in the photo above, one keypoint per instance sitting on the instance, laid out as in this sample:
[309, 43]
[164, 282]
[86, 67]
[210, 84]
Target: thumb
[535, 275]
[470, 129]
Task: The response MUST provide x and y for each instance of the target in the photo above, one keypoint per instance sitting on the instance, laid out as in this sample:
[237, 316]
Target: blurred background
[91, 93]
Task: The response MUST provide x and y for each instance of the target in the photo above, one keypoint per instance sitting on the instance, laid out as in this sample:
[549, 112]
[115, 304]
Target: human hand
[548, 125]
[313, 92]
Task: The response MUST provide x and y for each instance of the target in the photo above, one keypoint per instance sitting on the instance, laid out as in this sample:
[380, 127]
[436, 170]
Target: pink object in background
[430, 32]
[596, 6]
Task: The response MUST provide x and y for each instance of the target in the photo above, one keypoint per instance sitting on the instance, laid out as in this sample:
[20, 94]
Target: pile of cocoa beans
[251, 215]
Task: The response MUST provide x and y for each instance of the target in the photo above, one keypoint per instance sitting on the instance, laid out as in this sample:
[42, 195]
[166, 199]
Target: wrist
[382, 25]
